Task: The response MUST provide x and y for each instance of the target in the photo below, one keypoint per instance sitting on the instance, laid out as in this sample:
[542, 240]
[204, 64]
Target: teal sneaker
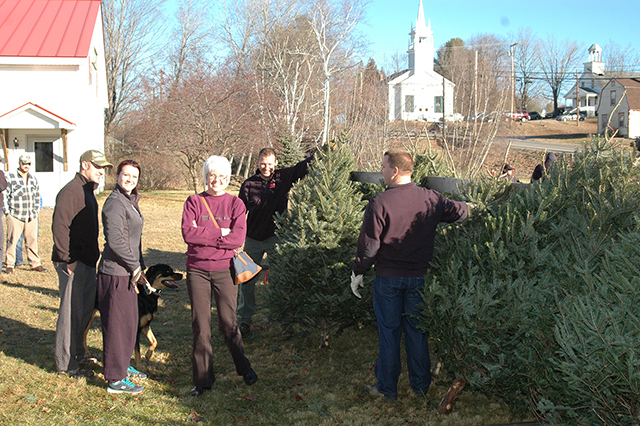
[132, 372]
[124, 386]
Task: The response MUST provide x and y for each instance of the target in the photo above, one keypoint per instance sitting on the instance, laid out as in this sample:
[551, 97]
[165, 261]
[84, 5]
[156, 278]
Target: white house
[590, 83]
[619, 107]
[54, 86]
[419, 93]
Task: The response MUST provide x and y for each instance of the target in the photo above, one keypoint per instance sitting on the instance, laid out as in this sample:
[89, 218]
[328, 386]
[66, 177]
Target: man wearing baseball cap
[75, 255]
[21, 206]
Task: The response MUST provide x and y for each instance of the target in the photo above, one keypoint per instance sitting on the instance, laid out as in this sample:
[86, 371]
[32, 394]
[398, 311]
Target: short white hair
[215, 163]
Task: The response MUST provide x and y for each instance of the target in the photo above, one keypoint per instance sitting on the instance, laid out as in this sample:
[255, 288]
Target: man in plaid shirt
[21, 206]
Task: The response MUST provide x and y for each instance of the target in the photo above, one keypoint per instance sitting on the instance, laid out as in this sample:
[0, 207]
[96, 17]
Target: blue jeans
[247, 291]
[394, 301]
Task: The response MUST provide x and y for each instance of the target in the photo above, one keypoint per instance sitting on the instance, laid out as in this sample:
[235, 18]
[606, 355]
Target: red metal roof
[38, 108]
[47, 28]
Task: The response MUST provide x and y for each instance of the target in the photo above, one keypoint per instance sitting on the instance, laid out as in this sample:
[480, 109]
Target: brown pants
[15, 228]
[200, 285]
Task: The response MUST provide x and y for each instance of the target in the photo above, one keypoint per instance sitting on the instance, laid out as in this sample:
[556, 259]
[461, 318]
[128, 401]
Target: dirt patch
[551, 129]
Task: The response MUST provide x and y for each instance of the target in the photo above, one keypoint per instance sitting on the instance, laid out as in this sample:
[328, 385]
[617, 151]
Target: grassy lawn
[298, 383]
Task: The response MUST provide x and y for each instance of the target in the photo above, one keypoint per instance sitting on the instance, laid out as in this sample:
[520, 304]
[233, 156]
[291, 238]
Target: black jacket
[75, 223]
[264, 198]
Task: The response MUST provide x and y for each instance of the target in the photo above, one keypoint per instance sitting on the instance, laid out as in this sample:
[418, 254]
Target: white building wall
[71, 88]
[634, 124]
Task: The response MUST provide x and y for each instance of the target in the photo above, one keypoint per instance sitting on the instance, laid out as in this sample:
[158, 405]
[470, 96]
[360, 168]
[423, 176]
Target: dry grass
[299, 384]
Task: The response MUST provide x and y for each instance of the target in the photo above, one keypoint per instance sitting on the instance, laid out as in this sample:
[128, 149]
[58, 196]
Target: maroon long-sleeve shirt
[207, 249]
[399, 229]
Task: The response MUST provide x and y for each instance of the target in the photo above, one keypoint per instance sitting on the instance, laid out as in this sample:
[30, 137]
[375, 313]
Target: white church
[420, 93]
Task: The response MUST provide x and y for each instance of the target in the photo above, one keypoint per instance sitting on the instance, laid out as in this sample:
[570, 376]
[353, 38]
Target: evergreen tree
[535, 298]
[290, 153]
[310, 275]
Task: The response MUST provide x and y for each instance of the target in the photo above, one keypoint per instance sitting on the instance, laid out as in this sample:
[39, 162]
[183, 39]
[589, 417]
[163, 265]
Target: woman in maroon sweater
[211, 246]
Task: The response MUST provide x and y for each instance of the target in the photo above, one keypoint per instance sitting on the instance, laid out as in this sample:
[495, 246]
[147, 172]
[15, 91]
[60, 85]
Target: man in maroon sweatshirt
[397, 235]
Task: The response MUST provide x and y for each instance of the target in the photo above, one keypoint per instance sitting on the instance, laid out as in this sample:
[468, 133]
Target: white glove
[135, 275]
[225, 231]
[356, 281]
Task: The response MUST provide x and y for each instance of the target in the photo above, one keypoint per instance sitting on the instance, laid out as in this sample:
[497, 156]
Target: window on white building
[437, 104]
[620, 119]
[44, 156]
[408, 103]
[613, 97]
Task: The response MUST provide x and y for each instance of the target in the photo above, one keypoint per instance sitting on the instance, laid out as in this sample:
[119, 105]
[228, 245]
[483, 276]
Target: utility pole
[577, 101]
[513, 83]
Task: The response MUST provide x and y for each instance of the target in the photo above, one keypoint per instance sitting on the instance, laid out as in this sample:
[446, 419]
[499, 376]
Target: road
[519, 142]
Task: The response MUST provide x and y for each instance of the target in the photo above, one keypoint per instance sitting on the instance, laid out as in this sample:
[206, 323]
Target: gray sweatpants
[77, 301]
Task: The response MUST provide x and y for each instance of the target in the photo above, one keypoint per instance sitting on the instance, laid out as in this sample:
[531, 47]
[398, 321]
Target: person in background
[397, 235]
[21, 207]
[19, 258]
[264, 194]
[3, 186]
[541, 171]
[214, 227]
[508, 174]
[75, 254]
[119, 271]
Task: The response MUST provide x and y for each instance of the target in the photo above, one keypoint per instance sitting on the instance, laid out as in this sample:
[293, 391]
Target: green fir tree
[536, 298]
[310, 275]
[290, 152]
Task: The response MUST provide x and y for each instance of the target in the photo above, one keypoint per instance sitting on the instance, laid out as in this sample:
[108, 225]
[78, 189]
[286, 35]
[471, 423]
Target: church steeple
[421, 47]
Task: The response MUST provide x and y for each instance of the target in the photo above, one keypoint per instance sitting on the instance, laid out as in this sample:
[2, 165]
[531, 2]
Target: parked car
[571, 116]
[548, 115]
[534, 115]
[518, 115]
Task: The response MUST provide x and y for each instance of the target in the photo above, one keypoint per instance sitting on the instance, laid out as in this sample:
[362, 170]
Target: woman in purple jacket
[212, 242]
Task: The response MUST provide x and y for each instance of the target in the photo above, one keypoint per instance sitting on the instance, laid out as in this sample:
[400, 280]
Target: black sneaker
[372, 390]
[251, 377]
[287, 330]
[199, 390]
[124, 386]
[77, 373]
[132, 372]
[245, 329]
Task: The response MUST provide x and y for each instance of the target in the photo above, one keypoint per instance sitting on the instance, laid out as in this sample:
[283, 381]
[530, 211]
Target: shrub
[509, 292]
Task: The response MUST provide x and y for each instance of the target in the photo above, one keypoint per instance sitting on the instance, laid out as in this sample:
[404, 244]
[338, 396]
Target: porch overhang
[32, 116]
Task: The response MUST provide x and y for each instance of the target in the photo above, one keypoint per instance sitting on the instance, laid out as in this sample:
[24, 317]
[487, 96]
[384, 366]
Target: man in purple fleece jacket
[397, 234]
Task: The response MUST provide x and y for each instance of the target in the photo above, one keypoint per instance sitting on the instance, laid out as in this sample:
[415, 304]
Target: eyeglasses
[218, 177]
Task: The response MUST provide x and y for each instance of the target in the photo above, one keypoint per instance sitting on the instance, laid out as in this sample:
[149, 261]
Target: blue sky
[586, 21]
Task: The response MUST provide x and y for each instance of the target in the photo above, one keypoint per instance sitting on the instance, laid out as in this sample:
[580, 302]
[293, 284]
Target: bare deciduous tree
[558, 60]
[130, 33]
[526, 60]
[191, 38]
[333, 23]
[620, 60]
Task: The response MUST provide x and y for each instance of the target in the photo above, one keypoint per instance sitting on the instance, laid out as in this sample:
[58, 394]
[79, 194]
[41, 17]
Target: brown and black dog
[160, 276]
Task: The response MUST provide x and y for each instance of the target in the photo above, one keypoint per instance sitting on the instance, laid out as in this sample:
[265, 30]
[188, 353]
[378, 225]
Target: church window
[408, 103]
[437, 104]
